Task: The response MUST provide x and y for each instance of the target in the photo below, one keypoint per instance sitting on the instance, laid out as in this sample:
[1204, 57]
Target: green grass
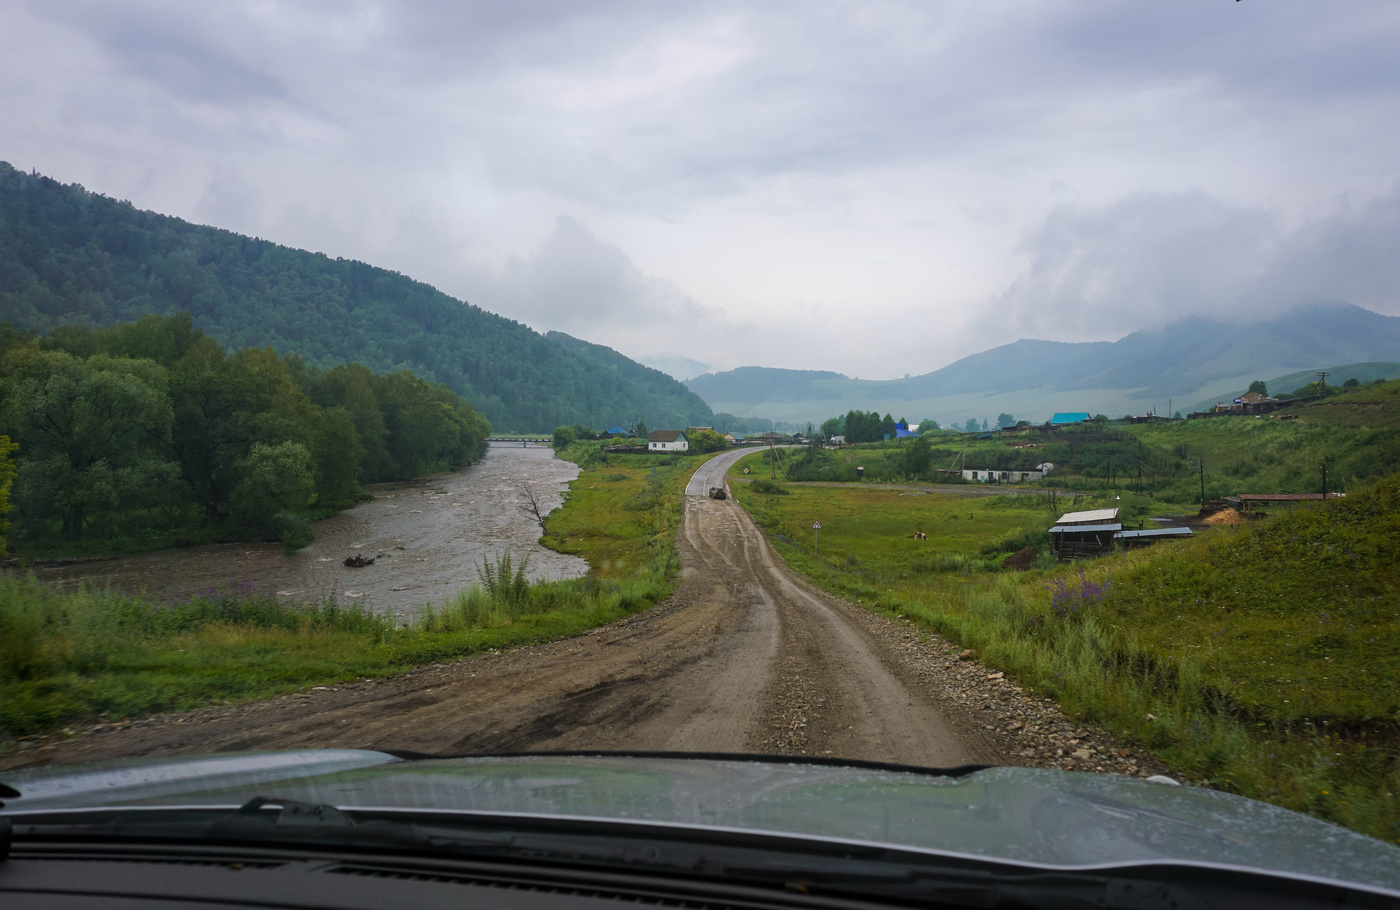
[1263, 660]
[73, 657]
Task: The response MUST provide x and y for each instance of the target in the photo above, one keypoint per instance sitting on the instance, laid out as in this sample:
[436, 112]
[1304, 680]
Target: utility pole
[1203, 482]
[1324, 479]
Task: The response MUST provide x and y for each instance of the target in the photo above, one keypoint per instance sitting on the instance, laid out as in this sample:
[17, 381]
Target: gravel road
[744, 657]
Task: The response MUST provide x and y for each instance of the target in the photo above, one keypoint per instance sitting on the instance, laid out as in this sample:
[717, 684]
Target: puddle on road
[428, 537]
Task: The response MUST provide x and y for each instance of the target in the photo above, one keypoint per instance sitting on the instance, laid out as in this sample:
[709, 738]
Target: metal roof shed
[1091, 517]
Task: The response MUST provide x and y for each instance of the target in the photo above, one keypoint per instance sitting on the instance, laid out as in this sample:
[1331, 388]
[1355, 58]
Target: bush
[767, 488]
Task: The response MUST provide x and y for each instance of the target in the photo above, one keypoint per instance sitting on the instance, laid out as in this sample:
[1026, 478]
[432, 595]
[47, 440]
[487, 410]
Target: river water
[427, 536]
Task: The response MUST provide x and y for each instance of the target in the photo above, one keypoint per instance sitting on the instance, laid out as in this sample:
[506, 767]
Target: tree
[272, 480]
[564, 437]
[93, 434]
[971, 425]
[705, 441]
[641, 431]
[984, 425]
[1352, 383]
[1258, 386]
[1100, 418]
[833, 426]
[1005, 420]
[917, 458]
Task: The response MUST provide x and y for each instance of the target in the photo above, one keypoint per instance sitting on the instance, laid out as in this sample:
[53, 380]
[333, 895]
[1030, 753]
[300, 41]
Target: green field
[1260, 659]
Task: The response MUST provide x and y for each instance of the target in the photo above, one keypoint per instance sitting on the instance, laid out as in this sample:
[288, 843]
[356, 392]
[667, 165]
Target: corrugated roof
[1070, 417]
[1088, 529]
[1157, 532]
[1092, 516]
[664, 435]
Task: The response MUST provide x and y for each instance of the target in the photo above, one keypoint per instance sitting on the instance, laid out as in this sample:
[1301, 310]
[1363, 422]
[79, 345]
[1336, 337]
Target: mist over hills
[68, 255]
[1181, 365]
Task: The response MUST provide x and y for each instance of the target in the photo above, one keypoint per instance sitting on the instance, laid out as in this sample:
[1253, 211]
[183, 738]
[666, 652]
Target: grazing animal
[920, 535]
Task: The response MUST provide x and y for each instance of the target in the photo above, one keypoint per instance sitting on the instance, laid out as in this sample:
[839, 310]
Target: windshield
[1007, 395]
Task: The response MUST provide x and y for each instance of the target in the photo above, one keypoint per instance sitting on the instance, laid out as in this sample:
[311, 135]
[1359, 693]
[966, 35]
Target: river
[427, 537]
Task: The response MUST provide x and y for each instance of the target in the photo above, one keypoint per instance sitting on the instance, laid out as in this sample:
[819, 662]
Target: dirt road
[743, 658]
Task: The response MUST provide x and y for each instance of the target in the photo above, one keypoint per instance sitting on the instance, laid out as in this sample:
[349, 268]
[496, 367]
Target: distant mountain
[1187, 361]
[675, 365]
[72, 256]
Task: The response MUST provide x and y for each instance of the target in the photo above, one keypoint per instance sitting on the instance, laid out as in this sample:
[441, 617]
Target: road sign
[816, 526]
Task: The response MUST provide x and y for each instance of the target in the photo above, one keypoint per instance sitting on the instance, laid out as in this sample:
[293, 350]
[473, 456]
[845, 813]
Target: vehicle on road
[345, 828]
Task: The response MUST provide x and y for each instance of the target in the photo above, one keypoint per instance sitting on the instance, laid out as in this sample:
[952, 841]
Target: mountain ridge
[68, 255]
[1191, 359]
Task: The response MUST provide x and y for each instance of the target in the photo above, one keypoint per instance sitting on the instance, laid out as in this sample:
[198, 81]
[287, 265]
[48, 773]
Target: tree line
[150, 432]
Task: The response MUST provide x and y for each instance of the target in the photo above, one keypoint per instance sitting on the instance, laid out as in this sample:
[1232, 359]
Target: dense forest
[149, 434]
[72, 256]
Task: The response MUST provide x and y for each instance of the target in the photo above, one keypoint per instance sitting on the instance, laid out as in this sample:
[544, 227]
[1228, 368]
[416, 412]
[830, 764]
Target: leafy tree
[272, 479]
[984, 425]
[971, 425]
[1258, 386]
[1005, 420]
[92, 434]
[917, 458]
[705, 441]
[1352, 383]
[564, 437]
[1100, 418]
[640, 430]
[833, 426]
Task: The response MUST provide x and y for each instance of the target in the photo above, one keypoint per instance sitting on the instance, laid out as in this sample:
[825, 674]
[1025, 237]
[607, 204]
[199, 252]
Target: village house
[667, 441]
[1250, 403]
[994, 475]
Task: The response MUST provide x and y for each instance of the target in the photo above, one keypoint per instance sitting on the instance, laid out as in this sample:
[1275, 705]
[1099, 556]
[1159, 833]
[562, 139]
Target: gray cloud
[1103, 271]
[753, 158]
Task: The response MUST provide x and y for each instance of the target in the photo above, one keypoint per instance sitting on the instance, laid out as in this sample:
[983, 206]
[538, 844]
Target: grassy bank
[1259, 659]
[73, 657]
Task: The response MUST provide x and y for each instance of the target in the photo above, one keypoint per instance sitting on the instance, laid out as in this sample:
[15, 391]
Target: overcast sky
[874, 188]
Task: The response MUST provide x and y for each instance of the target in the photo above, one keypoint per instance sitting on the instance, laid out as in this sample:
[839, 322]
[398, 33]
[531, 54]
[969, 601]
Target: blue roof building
[1069, 417]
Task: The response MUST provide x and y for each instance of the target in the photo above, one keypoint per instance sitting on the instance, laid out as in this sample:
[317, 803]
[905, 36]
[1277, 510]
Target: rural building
[1248, 502]
[1070, 542]
[667, 441]
[1069, 417]
[1132, 540]
[731, 439]
[1250, 403]
[838, 440]
[994, 475]
[1083, 535]
[1091, 517]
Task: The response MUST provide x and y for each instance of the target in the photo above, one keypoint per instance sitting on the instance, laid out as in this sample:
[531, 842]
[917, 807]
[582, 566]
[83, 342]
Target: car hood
[1049, 819]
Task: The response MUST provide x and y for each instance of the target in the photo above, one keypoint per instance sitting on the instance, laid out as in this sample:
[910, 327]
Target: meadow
[1259, 659]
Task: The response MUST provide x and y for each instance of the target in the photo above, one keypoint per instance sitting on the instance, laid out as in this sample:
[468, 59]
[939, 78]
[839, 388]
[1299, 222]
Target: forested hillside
[149, 434]
[654, 388]
[71, 256]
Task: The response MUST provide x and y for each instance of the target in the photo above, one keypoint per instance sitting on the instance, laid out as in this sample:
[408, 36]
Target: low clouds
[864, 188]
[578, 284]
[1099, 272]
